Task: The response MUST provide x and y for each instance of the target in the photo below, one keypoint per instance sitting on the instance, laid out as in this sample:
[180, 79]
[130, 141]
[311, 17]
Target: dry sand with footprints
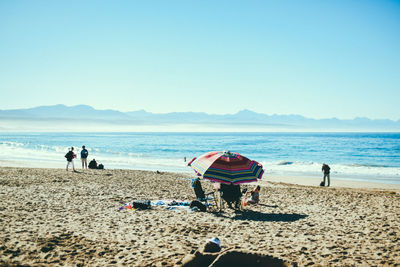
[53, 217]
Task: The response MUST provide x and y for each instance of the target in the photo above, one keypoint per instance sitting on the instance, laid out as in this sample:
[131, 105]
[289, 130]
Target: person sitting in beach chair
[207, 198]
[232, 195]
[252, 197]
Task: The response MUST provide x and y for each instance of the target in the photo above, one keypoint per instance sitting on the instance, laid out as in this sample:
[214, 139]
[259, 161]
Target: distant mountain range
[241, 121]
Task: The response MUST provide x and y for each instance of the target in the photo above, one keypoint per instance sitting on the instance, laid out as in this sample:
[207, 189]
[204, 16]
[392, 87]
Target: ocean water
[371, 157]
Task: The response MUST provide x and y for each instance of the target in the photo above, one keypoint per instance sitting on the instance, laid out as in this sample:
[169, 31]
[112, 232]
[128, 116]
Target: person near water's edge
[84, 155]
[93, 164]
[70, 158]
[326, 169]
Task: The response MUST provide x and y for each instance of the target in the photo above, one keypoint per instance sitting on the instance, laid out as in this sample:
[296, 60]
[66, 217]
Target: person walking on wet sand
[70, 158]
[326, 169]
[84, 155]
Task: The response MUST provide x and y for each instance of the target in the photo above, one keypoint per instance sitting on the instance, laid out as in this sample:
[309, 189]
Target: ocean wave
[343, 170]
[18, 151]
[368, 165]
[285, 163]
[164, 152]
[12, 144]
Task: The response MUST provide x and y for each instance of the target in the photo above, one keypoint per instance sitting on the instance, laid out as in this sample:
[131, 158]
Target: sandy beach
[53, 217]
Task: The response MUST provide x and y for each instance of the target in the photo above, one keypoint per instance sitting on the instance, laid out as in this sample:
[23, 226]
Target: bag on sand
[322, 183]
[141, 204]
[198, 204]
[101, 166]
[69, 155]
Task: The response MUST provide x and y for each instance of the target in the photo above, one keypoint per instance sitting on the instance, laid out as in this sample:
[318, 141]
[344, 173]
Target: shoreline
[292, 178]
[334, 182]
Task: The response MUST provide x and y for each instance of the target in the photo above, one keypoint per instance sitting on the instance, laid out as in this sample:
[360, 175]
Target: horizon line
[200, 112]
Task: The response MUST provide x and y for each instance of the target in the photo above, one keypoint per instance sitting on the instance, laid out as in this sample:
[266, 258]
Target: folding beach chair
[232, 195]
[209, 199]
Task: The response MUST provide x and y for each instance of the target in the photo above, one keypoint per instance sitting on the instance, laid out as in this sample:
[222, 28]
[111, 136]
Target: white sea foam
[53, 156]
[20, 154]
[358, 172]
[11, 144]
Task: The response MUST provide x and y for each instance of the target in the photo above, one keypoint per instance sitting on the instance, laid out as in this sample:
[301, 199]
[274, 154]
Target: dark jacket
[69, 156]
[326, 169]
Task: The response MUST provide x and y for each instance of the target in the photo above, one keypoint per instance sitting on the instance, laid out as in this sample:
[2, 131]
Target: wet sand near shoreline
[54, 217]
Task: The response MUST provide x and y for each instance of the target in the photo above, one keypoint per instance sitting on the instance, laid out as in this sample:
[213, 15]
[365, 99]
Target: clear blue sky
[319, 59]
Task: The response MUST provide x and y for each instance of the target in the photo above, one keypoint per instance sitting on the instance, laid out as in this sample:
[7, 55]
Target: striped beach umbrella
[227, 167]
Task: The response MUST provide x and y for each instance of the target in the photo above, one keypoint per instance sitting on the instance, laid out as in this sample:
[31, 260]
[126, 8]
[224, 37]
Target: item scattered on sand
[227, 167]
[158, 203]
[141, 204]
[137, 204]
[126, 206]
[199, 205]
[195, 209]
[173, 203]
[212, 245]
[170, 203]
[178, 203]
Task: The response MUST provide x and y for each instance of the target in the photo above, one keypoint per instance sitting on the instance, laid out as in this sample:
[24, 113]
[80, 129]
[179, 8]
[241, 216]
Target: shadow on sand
[265, 217]
[268, 206]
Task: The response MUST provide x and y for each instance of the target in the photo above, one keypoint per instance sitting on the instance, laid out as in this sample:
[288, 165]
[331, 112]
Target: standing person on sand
[70, 158]
[84, 155]
[326, 169]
